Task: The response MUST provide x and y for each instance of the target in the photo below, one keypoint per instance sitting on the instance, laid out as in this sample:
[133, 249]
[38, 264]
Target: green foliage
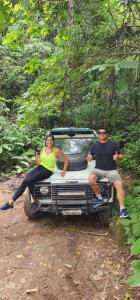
[130, 143]
[131, 160]
[134, 280]
[67, 64]
[132, 229]
[135, 248]
[17, 146]
[136, 190]
[136, 230]
[135, 264]
[72, 61]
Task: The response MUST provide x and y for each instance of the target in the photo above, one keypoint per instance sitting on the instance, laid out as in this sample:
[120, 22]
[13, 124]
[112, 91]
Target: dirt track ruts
[54, 258]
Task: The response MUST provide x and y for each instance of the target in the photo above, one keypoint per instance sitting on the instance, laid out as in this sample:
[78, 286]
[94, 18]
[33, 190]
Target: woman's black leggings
[37, 174]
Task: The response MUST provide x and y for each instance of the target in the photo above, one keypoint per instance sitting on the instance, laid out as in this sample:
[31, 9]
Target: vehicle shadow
[83, 222]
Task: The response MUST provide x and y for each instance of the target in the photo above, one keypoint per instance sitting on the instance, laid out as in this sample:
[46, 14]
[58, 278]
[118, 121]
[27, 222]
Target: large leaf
[135, 265]
[125, 222]
[134, 216]
[127, 64]
[134, 280]
[135, 248]
[24, 163]
[18, 169]
[30, 152]
[7, 147]
[122, 86]
[123, 64]
[136, 190]
[136, 230]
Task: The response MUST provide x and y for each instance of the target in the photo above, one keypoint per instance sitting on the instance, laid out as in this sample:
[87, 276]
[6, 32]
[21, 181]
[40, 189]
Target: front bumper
[73, 198]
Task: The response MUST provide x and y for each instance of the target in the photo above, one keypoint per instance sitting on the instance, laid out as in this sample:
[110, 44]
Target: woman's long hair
[50, 135]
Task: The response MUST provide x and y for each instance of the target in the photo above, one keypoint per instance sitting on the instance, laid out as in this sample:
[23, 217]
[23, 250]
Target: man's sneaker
[6, 206]
[105, 200]
[98, 202]
[123, 213]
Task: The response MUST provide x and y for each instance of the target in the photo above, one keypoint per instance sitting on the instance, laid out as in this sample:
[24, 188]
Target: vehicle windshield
[74, 145]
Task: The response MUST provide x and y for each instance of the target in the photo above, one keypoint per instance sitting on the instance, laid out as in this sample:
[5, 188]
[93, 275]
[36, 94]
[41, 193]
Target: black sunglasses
[102, 132]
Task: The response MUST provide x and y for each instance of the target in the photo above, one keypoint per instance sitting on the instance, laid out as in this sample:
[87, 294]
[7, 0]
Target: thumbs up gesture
[116, 156]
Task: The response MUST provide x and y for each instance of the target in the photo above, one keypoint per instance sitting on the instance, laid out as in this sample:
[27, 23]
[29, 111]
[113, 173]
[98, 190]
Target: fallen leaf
[32, 291]
[115, 273]
[100, 273]
[76, 282]
[117, 287]
[95, 277]
[19, 256]
[103, 296]
[68, 266]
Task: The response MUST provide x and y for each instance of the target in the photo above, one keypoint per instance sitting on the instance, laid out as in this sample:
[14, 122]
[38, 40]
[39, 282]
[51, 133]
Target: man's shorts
[110, 175]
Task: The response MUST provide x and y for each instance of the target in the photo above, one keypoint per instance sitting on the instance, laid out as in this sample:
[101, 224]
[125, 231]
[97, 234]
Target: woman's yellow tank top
[48, 161]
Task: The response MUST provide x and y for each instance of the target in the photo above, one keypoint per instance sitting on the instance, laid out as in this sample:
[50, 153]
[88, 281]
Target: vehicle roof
[71, 130]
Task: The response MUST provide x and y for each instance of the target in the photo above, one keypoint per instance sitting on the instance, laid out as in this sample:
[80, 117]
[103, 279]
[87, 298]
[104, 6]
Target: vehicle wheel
[105, 216]
[29, 208]
[76, 163]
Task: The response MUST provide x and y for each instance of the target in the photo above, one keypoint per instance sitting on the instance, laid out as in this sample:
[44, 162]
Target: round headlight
[44, 190]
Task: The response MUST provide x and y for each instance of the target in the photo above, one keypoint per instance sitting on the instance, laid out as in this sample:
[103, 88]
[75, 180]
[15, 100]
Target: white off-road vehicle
[71, 194]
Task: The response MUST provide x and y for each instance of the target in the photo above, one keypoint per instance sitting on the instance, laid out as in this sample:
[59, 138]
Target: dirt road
[55, 259]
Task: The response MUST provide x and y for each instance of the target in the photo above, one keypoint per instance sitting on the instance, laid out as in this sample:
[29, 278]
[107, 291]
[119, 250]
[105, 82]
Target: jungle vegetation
[71, 63]
[68, 63]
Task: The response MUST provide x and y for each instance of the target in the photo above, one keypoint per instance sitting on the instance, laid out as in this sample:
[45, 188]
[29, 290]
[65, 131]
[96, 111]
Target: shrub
[17, 145]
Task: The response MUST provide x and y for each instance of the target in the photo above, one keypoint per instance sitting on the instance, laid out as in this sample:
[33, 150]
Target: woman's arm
[64, 157]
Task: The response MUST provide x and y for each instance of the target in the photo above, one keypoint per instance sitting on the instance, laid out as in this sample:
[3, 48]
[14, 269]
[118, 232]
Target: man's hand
[89, 157]
[117, 156]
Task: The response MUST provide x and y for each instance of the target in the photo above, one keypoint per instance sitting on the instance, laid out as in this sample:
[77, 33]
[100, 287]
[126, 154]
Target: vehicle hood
[73, 176]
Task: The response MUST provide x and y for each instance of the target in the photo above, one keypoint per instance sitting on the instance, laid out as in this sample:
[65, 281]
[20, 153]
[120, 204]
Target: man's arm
[90, 155]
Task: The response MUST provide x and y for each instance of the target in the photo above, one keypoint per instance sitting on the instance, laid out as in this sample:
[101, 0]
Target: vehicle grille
[74, 194]
[70, 194]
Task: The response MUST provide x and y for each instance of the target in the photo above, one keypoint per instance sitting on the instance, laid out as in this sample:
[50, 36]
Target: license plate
[71, 212]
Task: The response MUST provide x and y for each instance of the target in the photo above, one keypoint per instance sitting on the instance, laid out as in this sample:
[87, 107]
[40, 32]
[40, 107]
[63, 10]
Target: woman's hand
[62, 173]
[37, 159]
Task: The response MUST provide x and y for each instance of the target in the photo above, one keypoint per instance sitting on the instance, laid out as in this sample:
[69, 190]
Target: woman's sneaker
[123, 213]
[6, 206]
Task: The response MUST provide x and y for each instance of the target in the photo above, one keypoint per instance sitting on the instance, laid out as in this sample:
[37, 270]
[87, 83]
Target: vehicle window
[74, 146]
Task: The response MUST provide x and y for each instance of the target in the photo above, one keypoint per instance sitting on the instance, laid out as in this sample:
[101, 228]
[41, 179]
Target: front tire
[29, 207]
[105, 216]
